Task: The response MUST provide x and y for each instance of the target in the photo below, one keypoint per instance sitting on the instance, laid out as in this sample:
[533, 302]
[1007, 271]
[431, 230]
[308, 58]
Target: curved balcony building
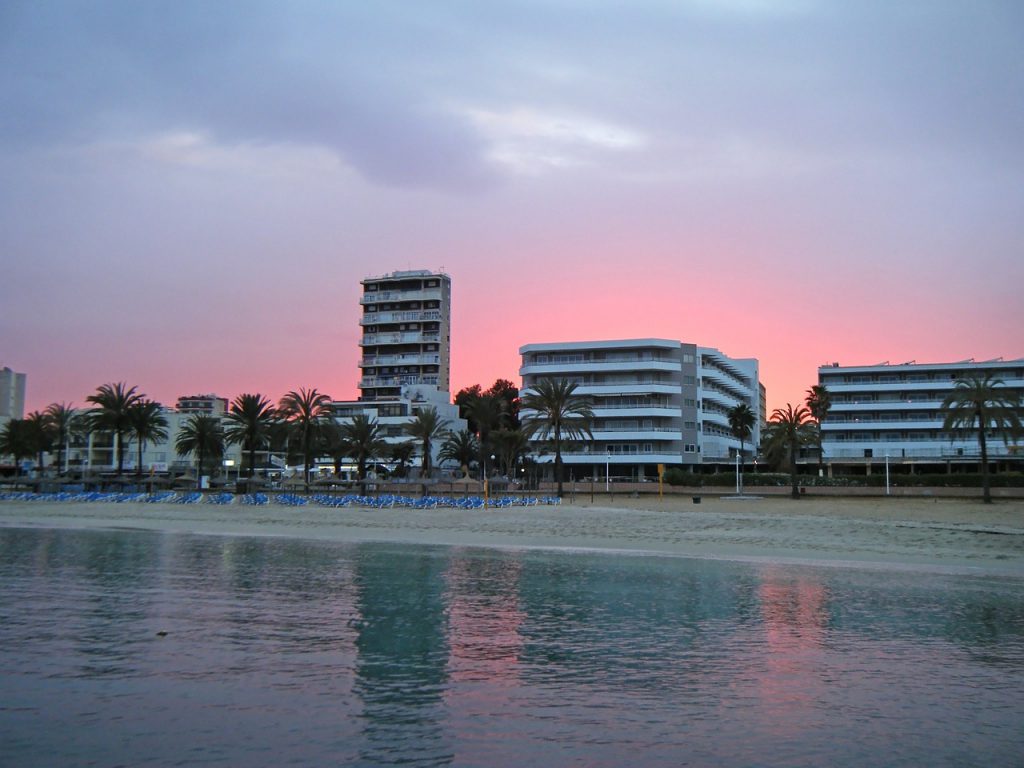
[647, 397]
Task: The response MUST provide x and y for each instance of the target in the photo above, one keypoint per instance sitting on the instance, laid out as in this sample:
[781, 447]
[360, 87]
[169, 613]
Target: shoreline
[899, 534]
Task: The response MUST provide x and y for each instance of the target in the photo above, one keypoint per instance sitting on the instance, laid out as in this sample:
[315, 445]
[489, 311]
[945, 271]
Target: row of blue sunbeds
[286, 499]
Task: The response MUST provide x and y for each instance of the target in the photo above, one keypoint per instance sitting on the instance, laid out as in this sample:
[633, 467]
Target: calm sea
[133, 648]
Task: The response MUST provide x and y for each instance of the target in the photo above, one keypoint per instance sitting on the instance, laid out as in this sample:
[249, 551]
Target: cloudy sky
[191, 191]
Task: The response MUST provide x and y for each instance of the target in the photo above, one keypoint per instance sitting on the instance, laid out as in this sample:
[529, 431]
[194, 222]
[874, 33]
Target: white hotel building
[894, 411]
[655, 401]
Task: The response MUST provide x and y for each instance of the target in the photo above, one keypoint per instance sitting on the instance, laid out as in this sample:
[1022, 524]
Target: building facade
[12, 395]
[892, 414]
[406, 333]
[655, 401]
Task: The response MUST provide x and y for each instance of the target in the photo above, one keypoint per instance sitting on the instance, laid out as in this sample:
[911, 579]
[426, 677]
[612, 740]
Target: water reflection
[402, 652]
[321, 653]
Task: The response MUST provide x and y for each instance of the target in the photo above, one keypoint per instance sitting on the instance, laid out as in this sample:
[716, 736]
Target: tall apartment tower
[406, 333]
[12, 394]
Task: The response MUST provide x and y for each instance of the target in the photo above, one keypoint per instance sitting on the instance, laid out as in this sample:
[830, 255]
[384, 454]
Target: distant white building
[893, 412]
[395, 413]
[12, 395]
[97, 452]
[655, 401]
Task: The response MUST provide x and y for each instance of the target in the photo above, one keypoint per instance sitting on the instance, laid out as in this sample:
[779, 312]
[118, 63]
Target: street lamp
[607, 476]
[886, 474]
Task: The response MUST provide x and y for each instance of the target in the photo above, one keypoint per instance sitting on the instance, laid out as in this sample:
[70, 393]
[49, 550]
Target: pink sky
[789, 181]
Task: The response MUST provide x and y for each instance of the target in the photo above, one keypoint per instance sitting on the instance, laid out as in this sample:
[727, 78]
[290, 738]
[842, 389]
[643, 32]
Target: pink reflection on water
[787, 670]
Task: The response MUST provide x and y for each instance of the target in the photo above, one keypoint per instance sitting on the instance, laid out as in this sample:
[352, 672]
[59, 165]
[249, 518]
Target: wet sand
[938, 534]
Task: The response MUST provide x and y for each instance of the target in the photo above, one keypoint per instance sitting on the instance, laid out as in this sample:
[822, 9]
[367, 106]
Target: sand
[942, 535]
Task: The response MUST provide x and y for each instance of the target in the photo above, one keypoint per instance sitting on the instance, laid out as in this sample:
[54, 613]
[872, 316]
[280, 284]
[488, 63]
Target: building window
[690, 448]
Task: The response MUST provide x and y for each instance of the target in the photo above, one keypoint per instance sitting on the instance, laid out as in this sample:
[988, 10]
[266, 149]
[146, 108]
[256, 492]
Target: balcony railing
[372, 360]
[368, 382]
[376, 297]
[403, 337]
[415, 315]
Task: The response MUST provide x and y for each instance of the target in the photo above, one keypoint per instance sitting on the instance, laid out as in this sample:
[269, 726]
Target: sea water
[136, 648]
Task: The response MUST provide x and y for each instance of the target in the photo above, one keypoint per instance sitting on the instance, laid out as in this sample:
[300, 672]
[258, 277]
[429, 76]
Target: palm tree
[983, 404]
[65, 423]
[460, 447]
[40, 436]
[556, 411]
[487, 412]
[426, 427]
[202, 435]
[819, 403]
[363, 440]
[401, 454]
[787, 430]
[249, 422]
[511, 446]
[306, 410]
[147, 423]
[112, 414]
[741, 422]
[16, 441]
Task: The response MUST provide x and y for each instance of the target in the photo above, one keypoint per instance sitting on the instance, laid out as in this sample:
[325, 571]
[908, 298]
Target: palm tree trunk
[138, 464]
[252, 459]
[120, 453]
[792, 468]
[742, 444]
[558, 460]
[199, 469]
[986, 492]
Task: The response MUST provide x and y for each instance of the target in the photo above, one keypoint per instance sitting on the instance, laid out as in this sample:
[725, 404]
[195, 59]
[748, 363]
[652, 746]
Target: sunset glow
[190, 202]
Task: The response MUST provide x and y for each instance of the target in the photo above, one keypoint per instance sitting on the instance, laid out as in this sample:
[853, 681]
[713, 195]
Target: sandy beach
[893, 533]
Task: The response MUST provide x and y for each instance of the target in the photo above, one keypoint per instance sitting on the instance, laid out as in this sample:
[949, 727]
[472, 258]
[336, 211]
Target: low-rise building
[893, 413]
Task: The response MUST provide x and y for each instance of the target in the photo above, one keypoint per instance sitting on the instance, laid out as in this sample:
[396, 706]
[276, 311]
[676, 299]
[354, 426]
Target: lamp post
[739, 487]
[607, 476]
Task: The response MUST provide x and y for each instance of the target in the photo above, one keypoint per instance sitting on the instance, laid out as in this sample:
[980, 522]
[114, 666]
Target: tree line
[301, 425]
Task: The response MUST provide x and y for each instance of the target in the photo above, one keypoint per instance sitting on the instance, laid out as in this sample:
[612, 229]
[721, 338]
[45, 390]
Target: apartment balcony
[599, 366]
[616, 459]
[403, 337]
[376, 297]
[888, 404]
[375, 360]
[862, 425]
[638, 434]
[606, 389]
[636, 411]
[725, 381]
[369, 382]
[917, 449]
[409, 316]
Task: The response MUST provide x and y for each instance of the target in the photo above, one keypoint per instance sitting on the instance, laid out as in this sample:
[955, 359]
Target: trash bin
[696, 499]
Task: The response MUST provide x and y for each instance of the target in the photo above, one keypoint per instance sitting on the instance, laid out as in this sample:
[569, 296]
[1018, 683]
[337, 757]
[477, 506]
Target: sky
[192, 191]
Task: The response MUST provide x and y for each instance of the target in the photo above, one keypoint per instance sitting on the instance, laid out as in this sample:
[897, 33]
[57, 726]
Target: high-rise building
[406, 322]
[655, 401]
[893, 413]
[12, 395]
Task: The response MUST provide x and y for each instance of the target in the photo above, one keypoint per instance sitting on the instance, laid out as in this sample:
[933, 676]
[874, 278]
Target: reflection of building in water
[484, 618]
[402, 651]
[485, 646]
[795, 618]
